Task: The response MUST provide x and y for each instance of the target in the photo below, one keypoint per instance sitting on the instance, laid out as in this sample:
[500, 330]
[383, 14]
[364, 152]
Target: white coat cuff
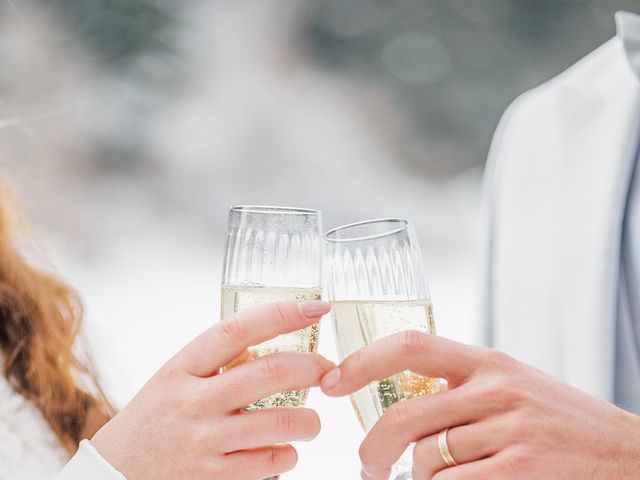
[88, 463]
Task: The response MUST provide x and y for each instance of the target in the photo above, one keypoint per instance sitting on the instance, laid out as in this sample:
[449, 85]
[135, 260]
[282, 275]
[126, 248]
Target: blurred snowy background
[128, 127]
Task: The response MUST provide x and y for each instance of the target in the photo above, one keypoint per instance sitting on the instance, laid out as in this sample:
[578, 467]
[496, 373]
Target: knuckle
[398, 413]
[502, 392]
[285, 422]
[170, 372]
[213, 467]
[232, 329]
[278, 312]
[516, 461]
[495, 359]
[366, 457]
[201, 436]
[272, 368]
[359, 359]
[273, 459]
[412, 342]
[520, 427]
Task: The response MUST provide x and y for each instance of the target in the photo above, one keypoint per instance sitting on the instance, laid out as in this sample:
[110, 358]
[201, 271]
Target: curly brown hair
[40, 317]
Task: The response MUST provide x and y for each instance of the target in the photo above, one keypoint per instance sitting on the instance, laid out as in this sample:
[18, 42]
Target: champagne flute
[377, 287]
[273, 254]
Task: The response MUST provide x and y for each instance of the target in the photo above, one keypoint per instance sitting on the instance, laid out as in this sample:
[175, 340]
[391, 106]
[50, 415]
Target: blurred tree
[116, 30]
[451, 65]
[454, 65]
[132, 45]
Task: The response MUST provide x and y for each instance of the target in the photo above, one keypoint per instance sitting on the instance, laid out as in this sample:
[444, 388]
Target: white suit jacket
[556, 182]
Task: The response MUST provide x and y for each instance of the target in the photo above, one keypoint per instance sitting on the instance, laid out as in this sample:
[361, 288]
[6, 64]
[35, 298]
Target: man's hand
[507, 420]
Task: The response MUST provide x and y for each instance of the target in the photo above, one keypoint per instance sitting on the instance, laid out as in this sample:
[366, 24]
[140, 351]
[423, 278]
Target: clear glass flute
[376, 284]
[273, 254]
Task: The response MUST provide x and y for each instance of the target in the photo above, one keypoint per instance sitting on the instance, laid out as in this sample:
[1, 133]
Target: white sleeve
[88, 463]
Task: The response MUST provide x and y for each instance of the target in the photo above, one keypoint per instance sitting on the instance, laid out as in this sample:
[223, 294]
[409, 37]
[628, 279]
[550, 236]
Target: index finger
[421, 353]
[231, 337]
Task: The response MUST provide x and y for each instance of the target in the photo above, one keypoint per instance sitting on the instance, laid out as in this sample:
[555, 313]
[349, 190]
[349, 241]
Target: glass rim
[402, 221]
[274, 209]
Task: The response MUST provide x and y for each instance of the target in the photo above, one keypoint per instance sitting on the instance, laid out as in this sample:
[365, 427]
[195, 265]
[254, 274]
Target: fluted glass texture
[273, 254]
[273, 246]
[375, 260]
[376, 284]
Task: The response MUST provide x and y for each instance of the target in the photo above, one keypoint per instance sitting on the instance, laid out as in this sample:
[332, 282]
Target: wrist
[111, 451]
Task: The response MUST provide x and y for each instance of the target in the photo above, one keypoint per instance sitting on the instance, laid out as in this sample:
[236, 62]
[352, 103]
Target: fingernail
[365, 475]
[331, 379]
[314, 308]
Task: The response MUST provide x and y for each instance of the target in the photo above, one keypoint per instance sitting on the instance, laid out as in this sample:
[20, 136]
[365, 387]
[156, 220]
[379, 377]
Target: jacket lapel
[560, 170]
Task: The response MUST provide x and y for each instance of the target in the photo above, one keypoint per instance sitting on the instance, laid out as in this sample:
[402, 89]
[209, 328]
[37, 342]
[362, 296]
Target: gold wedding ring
[444, 448]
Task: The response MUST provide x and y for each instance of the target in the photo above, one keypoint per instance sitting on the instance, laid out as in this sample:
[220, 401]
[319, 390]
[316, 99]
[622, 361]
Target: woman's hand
[507, 420]
[186, 421]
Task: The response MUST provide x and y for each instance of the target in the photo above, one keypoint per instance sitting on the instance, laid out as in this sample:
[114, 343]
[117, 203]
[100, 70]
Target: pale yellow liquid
[305, 340]
[359, 323]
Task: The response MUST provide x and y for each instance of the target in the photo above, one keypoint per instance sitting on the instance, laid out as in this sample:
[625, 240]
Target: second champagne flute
[273, 254]
[377, 287]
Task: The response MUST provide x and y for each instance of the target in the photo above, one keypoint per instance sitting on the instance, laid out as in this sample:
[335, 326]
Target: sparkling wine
[359, 323]
[305, 340]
